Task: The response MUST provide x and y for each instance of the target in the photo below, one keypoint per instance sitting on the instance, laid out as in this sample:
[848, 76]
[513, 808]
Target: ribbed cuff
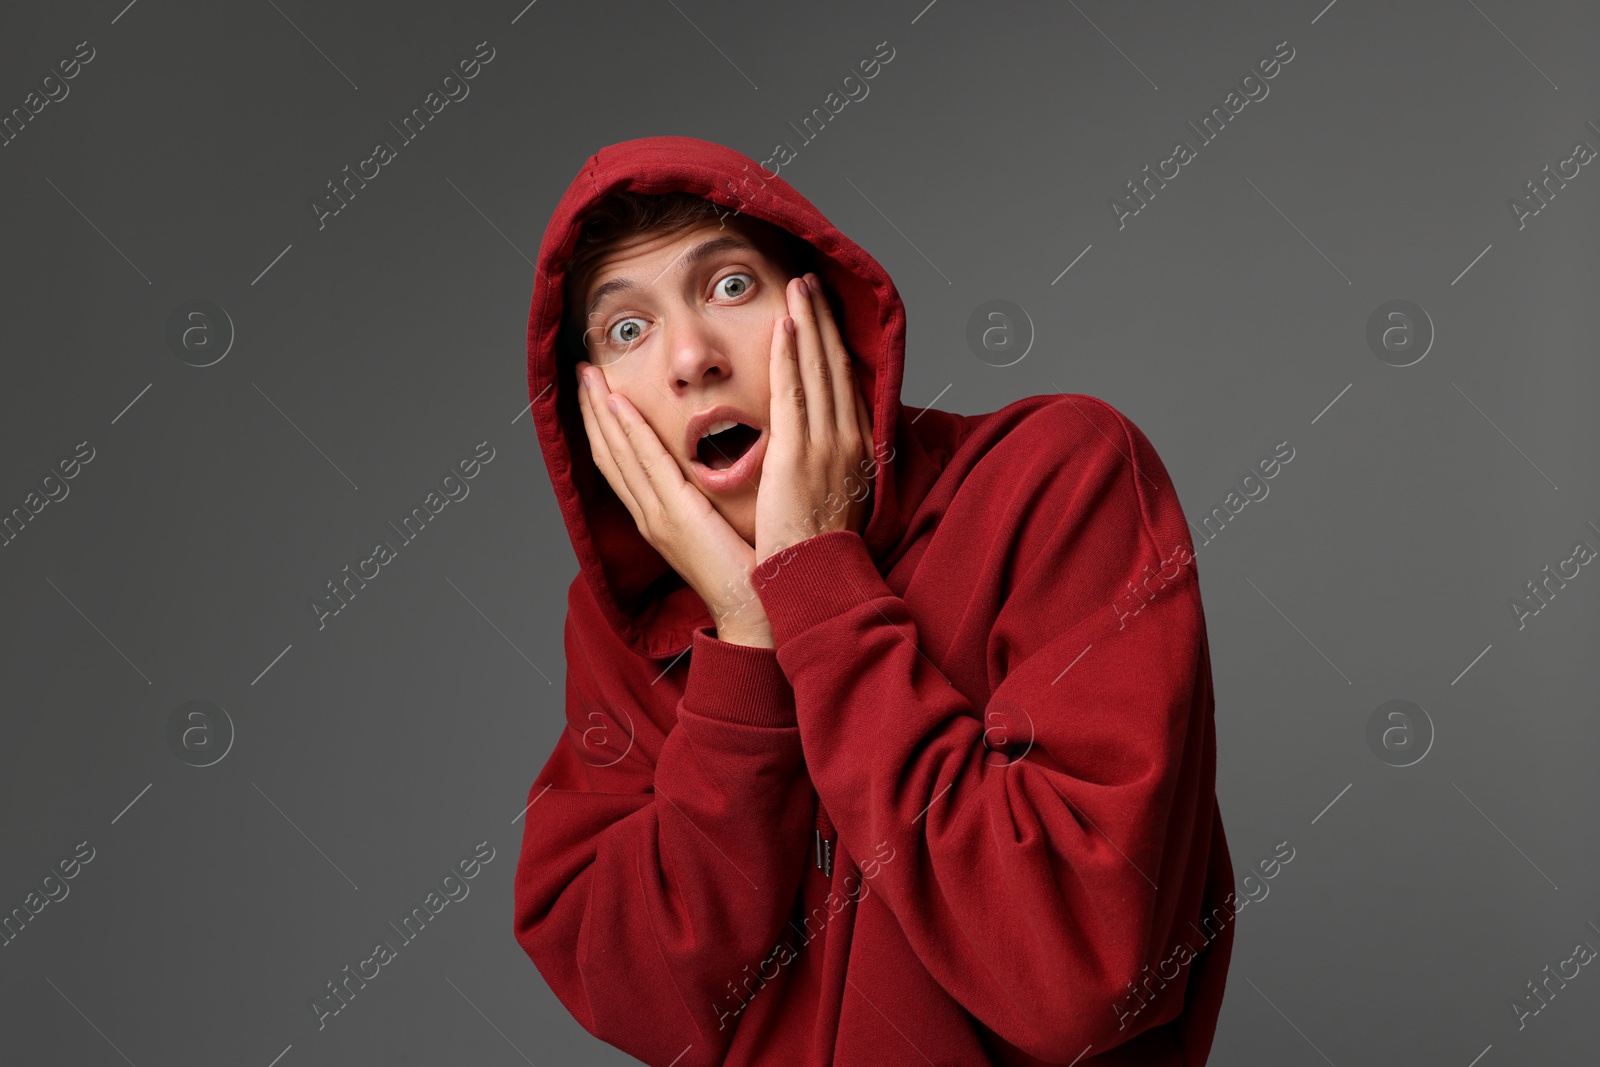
[737, 683]
[823, 576]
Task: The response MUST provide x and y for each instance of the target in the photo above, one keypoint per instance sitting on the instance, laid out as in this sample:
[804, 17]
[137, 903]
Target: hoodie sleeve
[655, 869]
[1052, 842]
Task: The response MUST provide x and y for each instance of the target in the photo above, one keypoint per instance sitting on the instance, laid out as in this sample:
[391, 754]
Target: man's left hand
[814, 478]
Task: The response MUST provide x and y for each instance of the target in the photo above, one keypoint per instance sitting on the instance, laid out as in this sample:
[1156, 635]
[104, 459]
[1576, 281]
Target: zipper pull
[824, 853]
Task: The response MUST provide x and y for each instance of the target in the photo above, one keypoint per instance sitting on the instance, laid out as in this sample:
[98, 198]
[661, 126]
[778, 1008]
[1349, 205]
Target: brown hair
[627, 214]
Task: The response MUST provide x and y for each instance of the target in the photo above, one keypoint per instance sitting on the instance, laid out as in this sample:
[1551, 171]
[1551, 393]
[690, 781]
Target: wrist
[755, 636]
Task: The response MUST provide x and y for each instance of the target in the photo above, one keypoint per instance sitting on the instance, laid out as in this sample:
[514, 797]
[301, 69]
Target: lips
[743, 469]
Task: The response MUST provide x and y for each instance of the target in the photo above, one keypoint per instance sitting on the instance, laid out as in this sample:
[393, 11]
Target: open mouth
[725, 447]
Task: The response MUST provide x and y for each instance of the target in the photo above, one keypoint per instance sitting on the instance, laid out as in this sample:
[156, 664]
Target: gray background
[372, 355]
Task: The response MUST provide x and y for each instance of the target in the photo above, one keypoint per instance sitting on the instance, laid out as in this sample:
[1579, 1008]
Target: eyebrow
[701, 251]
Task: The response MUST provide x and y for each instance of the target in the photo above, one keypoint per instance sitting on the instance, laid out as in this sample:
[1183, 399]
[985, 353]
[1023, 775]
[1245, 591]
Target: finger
[660, 470]
[600, 449]
[864, 422]
[620, 448]
[866, 459]
[841, 374]
[788, 407]
[813, 364]
[622, 443]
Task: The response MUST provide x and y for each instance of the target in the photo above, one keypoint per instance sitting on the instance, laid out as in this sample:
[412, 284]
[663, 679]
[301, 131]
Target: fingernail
[611, 402]
[814, 283]
[788, 325]
[583, 382]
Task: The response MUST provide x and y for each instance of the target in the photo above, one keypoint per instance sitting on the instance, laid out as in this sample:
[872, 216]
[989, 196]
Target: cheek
[662, 418]
[753, 354]
[667, 425]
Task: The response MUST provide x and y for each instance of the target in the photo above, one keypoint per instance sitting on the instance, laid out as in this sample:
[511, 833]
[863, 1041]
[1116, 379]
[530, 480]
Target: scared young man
[888, 737]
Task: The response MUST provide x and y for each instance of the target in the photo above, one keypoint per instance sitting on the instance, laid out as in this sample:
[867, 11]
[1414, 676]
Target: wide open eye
[734, 285]
[625, 332]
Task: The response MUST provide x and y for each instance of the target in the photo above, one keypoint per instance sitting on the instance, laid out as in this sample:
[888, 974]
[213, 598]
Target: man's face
[683, 328]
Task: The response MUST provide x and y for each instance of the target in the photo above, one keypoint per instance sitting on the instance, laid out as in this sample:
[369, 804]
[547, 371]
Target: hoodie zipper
[823, 840]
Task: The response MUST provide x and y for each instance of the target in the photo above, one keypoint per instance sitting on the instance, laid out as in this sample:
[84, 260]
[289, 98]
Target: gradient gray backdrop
[369, 356]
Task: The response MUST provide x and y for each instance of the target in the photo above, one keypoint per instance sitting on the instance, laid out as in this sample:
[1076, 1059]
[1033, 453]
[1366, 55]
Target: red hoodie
[963, 814]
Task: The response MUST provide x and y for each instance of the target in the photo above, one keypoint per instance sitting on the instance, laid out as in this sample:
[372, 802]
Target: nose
[696, 352]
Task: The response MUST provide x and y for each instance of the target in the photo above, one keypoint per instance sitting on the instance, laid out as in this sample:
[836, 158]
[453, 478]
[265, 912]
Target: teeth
[718, 427]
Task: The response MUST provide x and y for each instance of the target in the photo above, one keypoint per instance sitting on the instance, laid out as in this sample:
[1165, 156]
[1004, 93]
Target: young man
[888, 738]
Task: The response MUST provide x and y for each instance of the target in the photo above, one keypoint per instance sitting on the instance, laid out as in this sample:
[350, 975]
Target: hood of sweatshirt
[650, 608]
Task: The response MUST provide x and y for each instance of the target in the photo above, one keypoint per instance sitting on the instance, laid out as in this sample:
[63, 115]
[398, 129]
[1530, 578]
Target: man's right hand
[671, 514]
